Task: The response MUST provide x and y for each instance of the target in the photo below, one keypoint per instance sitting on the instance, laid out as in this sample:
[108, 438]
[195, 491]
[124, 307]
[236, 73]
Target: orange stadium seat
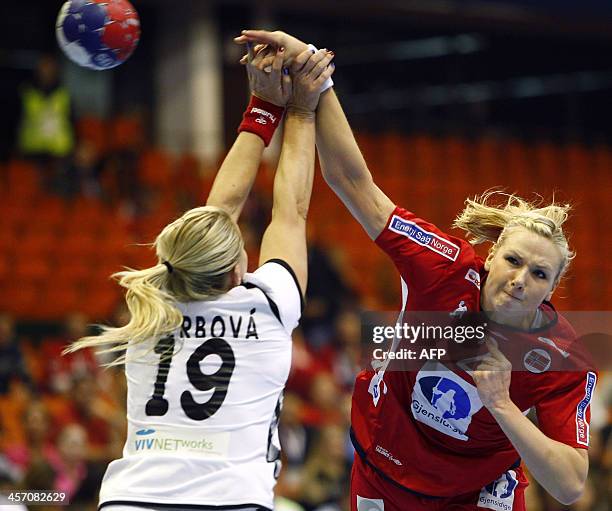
[31, 269]
[76, 273]
[36, 244]
[94, 130]
[578, 159]
[601, 158]
[58, 299]
[369, 146]
[517, 168]
[187, 176]
[86, 214]
[427, 155]
[488, 164]
[23, 179]
[155, 168]
[99, 304]
[394, 155]
[458, 155]
[114, 246]
[126, 132]
[548, 163]
[20, 298]
[137, 257]
[51, 212]
[8, 240]
[264, 180]
[5, 265]
[77, 245]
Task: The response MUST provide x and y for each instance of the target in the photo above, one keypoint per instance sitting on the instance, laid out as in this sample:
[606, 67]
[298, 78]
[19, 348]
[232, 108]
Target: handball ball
[98, 34]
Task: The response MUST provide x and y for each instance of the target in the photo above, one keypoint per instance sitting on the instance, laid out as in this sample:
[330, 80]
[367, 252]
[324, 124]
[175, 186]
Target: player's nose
[518, 279]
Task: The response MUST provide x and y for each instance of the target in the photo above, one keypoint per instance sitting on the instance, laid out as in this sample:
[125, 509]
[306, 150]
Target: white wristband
[329, 82]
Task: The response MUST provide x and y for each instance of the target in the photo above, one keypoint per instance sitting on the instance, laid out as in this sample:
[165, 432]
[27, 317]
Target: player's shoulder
[404, 228]
[278, 284]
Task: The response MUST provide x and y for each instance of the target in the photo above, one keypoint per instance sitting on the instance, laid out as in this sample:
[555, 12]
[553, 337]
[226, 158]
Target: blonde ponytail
[196, 253]
[491, 216]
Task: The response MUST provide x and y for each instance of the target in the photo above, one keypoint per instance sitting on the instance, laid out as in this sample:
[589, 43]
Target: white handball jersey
[203, 404]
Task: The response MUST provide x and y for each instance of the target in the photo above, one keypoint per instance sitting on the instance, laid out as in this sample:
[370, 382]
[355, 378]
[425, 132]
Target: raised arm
[239, 169]
[285, 237]
[345, 169]
[342, 163]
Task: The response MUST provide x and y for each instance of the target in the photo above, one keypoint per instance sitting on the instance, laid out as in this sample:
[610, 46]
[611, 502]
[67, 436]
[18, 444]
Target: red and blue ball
[98, 34]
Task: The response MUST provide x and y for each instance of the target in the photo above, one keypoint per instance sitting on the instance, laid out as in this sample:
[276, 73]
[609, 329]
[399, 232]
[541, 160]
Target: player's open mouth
[514, 297]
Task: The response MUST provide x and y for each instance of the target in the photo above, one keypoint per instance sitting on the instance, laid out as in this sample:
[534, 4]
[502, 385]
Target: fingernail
[285, 71]
[329, 52]
[281, 49]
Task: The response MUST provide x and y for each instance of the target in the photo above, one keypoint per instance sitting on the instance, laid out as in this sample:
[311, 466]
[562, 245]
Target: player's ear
[490, 256]
[235, 276]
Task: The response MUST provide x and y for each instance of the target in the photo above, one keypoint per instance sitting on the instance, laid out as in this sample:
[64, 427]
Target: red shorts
[370, 492]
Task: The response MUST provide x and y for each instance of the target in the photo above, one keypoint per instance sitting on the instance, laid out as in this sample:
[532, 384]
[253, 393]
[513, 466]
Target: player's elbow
[294, 213]
[570, 493]
[341, 177]
[301, 209]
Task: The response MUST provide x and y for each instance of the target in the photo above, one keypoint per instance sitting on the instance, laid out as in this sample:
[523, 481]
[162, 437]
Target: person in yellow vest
[46, 126]
[46, 132]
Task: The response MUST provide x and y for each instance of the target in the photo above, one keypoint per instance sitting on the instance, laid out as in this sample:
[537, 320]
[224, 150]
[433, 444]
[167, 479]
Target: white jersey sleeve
[278, 282]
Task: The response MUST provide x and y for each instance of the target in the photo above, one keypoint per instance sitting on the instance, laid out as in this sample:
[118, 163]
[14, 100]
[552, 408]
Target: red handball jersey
[427, 429]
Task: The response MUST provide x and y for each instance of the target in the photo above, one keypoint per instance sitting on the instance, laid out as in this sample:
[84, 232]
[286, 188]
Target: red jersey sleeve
[422, 253]
[565, 413]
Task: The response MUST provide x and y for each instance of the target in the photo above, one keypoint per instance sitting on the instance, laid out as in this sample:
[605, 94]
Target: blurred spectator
[46, 131]
[102, 421]
[325, 477]
[284, 504]
[342, 357]
[65, 469]
[326, 293]
[61, 370]
[83, 172]
[304, 366]
[69, 461]
[40, 476]
[119, 180]
[325, 401]
[294, 435]
[12, 363]
[37, 445]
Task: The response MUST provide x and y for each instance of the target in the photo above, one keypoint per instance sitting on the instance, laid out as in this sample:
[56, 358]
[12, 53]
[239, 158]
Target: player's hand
[492, 377]
[266, 78]
[293, 46]
[309, 72]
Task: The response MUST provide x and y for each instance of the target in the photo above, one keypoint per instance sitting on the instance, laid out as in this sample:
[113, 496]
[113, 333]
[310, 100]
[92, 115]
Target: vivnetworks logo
[153, 443]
